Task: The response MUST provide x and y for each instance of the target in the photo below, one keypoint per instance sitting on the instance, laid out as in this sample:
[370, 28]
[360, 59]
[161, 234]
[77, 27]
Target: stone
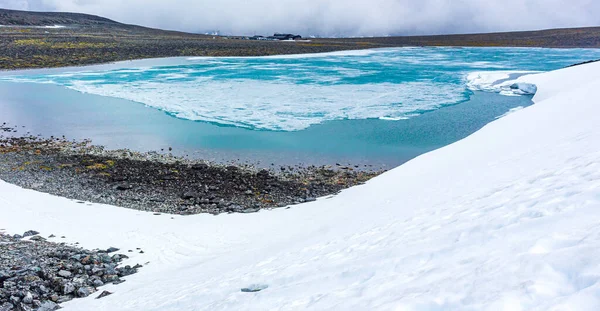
[254, 288]
[190, 195]
[28, 299]
[48, 306]
[84, 291]
[7, 307]
[112, 250]
[250, 210]
[64, 273]
[123, 187]
[235, 208]
[199, 166]
[37, 238]
[68, 288]
[97, 283]
[30, 233]
[104, 294]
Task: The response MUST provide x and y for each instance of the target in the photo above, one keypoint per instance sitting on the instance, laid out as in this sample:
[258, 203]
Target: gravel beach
[161, 183]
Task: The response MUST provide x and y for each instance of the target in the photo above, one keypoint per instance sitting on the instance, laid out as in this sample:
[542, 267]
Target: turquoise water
[375, 107]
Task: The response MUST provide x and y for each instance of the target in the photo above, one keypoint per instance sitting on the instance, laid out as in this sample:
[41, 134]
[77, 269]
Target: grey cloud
[334, 17]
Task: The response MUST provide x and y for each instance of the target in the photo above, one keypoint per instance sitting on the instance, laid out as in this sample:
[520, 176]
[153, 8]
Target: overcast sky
[333, 17]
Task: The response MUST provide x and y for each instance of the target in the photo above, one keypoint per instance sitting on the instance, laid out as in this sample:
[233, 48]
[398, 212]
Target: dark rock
[254, 288]
[199, 166]
[123, 187]
[30, 233]
[112, 250]
[104, 294]
[190, 195]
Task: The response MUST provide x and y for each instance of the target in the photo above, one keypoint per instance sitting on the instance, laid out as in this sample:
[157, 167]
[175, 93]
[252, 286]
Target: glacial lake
[375, 108]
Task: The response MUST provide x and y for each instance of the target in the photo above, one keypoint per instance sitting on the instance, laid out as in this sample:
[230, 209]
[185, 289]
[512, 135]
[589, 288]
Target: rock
[123, 187]
[104, 294]
[14, 300]
[68, 288]
[199, 166]
[37, 238]
[112, 250]
[250, 210]
[30, 233]
[190, 195]
[97, 283]
[7, 307]
[65, 273]
[48, 306]
[28, 299]
[17, 236]
[84, 291]
[51, 236]
[235, 208]
[255, 288]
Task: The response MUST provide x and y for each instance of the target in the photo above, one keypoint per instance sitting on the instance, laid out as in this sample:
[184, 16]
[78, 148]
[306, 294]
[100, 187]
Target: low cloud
[334, 17]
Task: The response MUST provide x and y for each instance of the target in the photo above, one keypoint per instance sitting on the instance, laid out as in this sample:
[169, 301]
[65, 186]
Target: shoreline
[275, 56]
[162, 183]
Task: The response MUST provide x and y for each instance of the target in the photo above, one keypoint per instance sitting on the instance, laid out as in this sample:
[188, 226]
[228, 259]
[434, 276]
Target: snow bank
[506, 219]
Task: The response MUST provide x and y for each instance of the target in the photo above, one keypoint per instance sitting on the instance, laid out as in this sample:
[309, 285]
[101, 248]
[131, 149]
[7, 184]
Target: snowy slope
[506, 219]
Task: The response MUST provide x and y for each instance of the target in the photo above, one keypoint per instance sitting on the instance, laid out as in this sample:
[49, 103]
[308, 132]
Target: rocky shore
[161, 183]
[36, 274]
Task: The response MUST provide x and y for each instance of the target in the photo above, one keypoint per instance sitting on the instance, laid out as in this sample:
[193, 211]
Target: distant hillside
[90, 39]
[561, 38]
[12, 17]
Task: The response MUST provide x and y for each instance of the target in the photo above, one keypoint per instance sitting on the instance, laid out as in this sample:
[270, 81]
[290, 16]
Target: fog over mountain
[333, 17]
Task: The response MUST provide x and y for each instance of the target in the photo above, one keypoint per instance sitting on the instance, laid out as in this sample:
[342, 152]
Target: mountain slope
[88, 39]
[28, 18]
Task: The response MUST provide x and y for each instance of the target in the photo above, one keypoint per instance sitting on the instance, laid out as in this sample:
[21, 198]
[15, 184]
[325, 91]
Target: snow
[506, 219]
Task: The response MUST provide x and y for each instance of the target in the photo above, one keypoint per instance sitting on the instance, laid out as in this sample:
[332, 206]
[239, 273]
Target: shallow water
[117, 123]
